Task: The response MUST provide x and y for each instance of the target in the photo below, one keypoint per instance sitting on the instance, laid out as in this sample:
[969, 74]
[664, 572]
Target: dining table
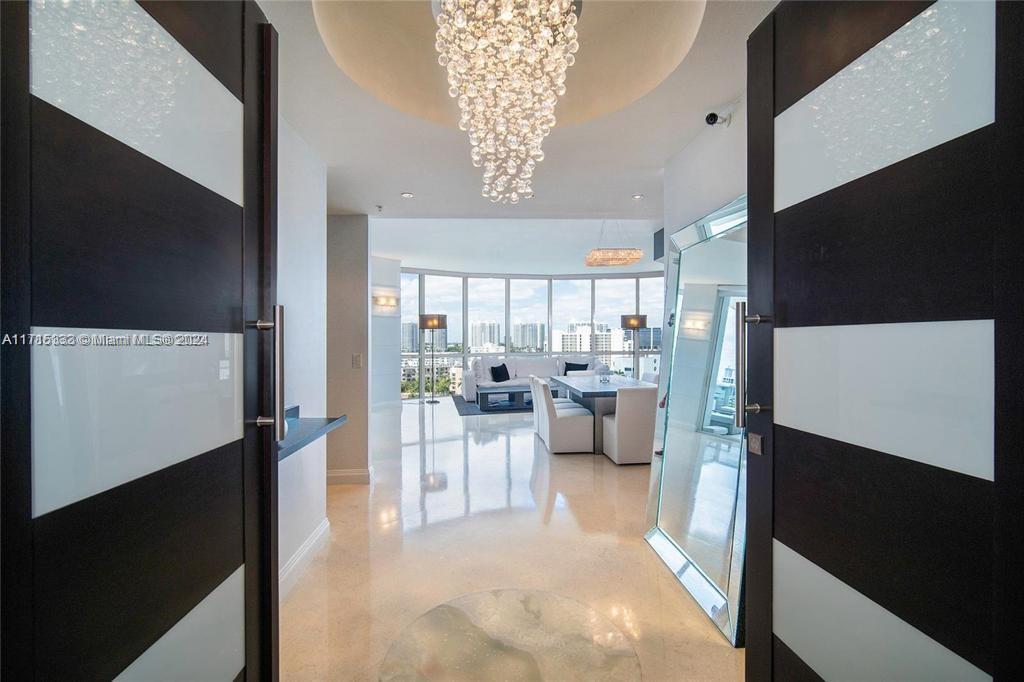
[596, 393]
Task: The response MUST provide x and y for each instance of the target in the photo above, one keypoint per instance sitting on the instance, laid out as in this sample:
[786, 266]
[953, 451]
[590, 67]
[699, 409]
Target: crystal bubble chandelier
[506, 62]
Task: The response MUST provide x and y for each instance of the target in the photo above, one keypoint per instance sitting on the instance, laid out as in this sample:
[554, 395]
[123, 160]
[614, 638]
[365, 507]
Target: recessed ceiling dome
[626, 50]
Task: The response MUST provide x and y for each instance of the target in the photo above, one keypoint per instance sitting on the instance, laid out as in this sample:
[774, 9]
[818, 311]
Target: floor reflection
[512, 635]
[701, 479]
[467, 504]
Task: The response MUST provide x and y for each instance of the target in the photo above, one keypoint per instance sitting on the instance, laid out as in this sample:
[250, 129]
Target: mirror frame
[725, 609]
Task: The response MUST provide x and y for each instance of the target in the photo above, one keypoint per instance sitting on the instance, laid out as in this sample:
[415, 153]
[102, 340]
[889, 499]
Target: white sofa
[519, 370]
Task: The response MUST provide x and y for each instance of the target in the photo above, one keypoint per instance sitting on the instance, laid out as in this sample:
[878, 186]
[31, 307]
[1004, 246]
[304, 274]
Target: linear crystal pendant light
[506, 62]
[615, 255]
[606, 257]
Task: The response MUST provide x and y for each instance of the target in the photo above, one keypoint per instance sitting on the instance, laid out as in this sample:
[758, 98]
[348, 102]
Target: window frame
[422, 355]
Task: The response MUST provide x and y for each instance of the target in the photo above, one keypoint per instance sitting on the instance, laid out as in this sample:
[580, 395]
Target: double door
[138, 242]
[884, 512]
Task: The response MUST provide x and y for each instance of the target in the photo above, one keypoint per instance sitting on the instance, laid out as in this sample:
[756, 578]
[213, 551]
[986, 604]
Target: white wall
[302, 289]
[509, 246]
[348, 347]
[385, 335]
[707, 174]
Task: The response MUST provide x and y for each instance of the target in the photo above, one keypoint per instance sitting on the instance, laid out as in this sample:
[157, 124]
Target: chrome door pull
[741, 364]
[742, 408]
[278, 420]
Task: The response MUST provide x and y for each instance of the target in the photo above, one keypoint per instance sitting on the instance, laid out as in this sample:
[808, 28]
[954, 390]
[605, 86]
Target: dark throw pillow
[499, 373]
[576, 367]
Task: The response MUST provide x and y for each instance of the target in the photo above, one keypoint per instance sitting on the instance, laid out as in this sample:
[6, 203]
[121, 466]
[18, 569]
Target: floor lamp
[636, 323]
[433, 323]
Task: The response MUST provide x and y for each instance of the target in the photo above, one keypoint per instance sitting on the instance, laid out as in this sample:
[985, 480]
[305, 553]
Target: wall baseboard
[357, 476]
[293, 568]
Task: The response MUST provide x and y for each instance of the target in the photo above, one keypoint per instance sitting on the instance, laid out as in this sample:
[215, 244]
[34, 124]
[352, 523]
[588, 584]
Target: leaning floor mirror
[699, 530]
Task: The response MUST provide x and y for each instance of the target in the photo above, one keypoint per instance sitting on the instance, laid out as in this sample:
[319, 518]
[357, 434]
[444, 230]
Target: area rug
[468, 409]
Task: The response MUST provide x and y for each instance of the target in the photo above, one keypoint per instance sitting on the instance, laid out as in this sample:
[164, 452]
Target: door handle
[278, 420]
[741, 364]
[742, 408]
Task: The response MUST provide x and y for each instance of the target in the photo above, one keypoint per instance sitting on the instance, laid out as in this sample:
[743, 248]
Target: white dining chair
[629, 433]
[650, 377]
[538, 402]
[563, 427]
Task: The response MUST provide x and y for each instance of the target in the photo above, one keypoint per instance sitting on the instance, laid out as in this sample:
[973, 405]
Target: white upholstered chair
[563, 427]
[538, 402]
[629, 433]
[650, 377]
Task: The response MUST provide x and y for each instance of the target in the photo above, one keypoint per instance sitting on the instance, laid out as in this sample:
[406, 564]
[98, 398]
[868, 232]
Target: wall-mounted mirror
[699, 531]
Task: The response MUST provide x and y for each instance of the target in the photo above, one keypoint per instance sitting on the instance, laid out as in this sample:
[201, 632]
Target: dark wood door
[884, 517]
[139, 174]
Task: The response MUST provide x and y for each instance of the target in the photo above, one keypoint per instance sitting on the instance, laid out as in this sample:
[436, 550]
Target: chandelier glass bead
[506, 62]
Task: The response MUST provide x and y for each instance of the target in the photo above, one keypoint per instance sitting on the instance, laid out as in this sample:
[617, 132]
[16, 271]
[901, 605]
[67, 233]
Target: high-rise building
[528, 336]
[440, 340]
[486, 333]
[410, 337]
[649, 339]
[575, 340]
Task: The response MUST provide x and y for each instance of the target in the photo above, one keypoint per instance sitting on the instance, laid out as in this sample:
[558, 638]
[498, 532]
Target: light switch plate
[357, 361]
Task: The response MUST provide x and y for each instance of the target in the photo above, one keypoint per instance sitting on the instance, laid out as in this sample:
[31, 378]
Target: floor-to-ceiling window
[571, 322]
[442, 295]
[528, 315]
[485, 304]
[499, 314]
[614, 298]
[410, 335]
[652, 304]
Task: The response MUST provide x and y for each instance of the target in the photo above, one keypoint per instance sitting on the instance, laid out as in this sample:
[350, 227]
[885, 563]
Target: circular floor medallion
[511, 635]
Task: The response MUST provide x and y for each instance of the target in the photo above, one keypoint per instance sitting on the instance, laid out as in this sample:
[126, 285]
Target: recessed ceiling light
[407, 195]
[638, 197]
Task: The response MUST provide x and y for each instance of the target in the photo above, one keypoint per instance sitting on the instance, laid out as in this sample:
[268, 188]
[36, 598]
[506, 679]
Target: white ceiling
[509, 246]
[374, 152]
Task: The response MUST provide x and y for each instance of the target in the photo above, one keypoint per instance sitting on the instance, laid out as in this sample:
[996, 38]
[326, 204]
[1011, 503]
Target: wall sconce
[386, 301]
[695, 325]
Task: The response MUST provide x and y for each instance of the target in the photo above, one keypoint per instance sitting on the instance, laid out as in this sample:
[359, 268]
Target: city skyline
[571, 313]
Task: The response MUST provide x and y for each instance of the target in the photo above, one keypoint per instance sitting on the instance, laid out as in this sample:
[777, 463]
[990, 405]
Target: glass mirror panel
[699, 525]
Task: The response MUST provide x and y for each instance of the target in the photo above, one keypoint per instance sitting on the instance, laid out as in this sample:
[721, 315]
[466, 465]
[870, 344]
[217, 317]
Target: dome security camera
[715, 119]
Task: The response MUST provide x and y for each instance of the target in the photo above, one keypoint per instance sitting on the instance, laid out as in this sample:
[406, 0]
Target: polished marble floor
[467, 505]
[511, 634]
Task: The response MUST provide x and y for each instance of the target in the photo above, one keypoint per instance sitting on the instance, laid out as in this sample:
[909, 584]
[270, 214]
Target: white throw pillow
[541, 367]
